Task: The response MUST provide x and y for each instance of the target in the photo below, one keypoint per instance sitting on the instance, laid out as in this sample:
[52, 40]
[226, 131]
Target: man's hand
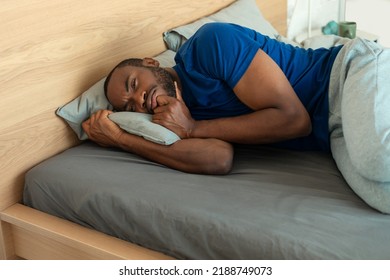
[102, 130]
[173, 114]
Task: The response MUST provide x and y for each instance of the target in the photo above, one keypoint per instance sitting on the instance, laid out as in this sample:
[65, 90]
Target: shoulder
[219, 38]
[220, 50]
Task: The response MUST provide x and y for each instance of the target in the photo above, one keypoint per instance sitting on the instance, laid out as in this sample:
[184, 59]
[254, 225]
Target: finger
[102, 114]
[159, 113]
[87, 122]
[86, 126]
[157, 120]
[95, 115]
[162, 100]
[178, 92]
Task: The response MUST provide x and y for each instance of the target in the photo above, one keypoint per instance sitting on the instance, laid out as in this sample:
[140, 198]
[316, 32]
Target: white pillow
[242, 12]
[93, 100]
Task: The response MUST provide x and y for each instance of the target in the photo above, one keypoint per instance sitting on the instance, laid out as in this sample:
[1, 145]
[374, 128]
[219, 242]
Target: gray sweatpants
[359, 120]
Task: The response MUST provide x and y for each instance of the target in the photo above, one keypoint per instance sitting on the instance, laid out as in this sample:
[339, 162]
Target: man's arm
[278, 113]
[204, 156]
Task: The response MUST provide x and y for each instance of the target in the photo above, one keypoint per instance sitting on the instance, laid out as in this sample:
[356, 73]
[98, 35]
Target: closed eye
[132, 84]
[127, 85]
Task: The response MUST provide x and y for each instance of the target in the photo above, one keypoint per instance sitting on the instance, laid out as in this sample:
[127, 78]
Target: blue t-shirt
[215, 58]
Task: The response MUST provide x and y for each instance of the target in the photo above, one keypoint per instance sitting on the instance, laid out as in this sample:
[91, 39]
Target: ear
[148, 61]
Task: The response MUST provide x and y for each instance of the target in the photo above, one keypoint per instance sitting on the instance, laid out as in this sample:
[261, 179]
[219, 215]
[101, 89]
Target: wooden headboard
[52, 51]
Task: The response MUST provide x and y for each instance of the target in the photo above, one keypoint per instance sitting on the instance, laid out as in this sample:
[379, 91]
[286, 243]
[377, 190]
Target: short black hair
[138, 62]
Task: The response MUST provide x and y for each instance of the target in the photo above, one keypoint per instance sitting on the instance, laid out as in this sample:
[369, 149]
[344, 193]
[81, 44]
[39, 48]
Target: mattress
[275, 204]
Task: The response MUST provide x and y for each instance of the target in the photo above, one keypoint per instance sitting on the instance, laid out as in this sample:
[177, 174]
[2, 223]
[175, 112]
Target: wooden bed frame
[52, 51]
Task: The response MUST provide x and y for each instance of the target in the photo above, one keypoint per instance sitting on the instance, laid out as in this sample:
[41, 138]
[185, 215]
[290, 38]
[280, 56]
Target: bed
[275, 204]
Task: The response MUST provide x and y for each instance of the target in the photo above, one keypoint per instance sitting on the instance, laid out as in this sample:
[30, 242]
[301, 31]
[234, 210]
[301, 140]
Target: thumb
[178, 92]
[162, 100]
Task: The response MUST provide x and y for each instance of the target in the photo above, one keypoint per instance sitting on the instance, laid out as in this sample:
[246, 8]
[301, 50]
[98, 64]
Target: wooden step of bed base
[37, 235]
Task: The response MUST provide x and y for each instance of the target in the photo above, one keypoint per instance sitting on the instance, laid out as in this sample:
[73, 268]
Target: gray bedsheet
[275, 204]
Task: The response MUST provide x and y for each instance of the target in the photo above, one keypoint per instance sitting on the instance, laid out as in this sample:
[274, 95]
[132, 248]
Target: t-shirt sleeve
[220, 51]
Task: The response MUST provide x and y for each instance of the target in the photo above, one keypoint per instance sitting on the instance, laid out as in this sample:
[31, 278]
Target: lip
[151, 102]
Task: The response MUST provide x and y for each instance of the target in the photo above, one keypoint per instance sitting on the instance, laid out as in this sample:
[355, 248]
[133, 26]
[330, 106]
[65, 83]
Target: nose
[141, 102]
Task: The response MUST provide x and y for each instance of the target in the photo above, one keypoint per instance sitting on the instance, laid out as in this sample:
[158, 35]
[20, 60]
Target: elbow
[299, 123]
[221, 159]
[224, 165]
[304, 126]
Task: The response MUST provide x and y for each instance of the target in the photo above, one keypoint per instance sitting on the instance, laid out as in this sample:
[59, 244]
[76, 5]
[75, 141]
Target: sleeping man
[231, 84]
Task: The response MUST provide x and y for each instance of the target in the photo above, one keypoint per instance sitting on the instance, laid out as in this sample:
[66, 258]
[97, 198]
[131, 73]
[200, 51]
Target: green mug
[347, 29]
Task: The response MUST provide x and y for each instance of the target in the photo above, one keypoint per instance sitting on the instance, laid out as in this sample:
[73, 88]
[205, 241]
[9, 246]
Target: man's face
[136, 89]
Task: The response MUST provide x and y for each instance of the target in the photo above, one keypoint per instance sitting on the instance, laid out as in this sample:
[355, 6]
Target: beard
[165, 80]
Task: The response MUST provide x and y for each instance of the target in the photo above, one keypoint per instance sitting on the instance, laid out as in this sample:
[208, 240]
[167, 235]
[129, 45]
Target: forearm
[204, 156]
[260, 127]
[207, 156]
